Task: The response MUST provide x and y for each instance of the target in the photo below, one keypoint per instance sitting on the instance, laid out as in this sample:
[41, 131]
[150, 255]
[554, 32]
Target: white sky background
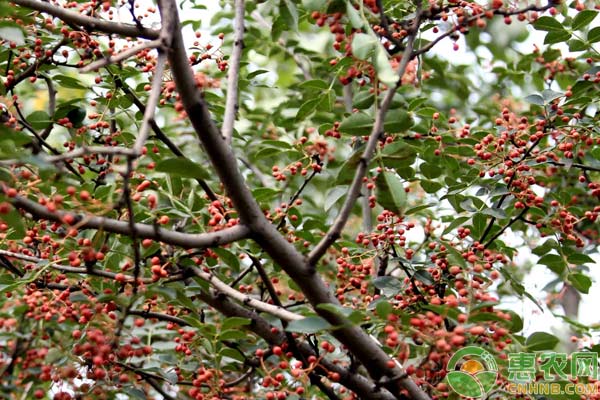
[534, 319]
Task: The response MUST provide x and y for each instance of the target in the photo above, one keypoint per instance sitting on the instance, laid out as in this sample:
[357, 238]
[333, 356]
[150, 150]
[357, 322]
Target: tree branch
[335, 230]
[142, 137]
[222, 287]
[359, 384]
[231, 104]
[185, 240]
[90, 23]
[125, 54]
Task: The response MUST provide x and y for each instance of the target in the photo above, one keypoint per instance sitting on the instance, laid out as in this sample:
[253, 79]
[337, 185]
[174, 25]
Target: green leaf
[363, 45]
[545, 247]
[333, 195]
[578, 258]
[182, 167]
[289, 13]
[390, 192]
[557, 37]
[68, 82]
[430, 186]
[12, 32]
[232, 353]
[355, 19]
[384, 69]
[383, 308]
[327, 102]
[430, 171]
[357, 124]
[308, 325]
[39, 119]
[388, 283]
[583, 18]
[232, 334]
[416, 209]
[336, 309]
[235, 322]
[577, 45]
[397, 121]
[494, 212]
[316, 84]
[423, 276]
[479, 224]
[541, 341]
[256, 73]
[363, 100]
[398, 154]
[76, 116]
[535, 99]
[314, 5]
[593, 35]
[348, 169]
[228, 258]
[265, 194]
[546, 23]
[14, 220]
[580, 282]
[456, 222]
[516, 322]
[550, 95]
[307, 108]
[555, 262]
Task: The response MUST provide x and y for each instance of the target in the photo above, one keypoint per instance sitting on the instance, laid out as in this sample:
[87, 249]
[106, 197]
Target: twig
[467, 21]
[135, 245]
[152, 103]
[90, 23]
[123, 55]
[51, 106]
[240, 378]
[298, 193]
[575, 165]
[488, 228]
[233, 74]
[158, 316]
[508, 225]
[79, 152]
[150, 378]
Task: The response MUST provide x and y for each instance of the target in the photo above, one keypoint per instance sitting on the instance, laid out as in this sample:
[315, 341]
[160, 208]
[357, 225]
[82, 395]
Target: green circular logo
[472, 372]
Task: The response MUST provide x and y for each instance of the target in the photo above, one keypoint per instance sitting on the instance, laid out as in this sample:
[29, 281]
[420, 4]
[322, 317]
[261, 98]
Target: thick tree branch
[283, 253]
[186, 240]
[231, 104]
[93, 24]
[359, 384]
[222, 287]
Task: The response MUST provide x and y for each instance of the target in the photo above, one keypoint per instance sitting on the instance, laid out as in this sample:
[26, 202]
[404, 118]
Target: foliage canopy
[295, 199]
